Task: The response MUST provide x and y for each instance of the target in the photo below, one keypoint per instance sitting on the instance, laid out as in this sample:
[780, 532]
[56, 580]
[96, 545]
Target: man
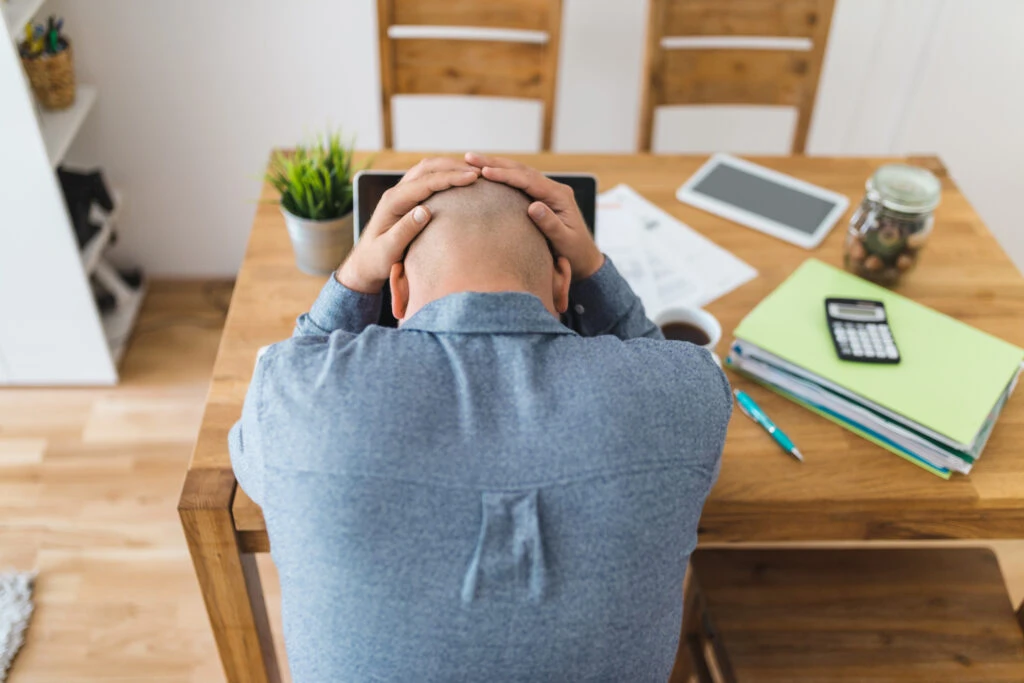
[482, 493]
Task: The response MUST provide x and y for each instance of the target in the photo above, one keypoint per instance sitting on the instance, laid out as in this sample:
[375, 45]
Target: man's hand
[397, 220]
[554, 211]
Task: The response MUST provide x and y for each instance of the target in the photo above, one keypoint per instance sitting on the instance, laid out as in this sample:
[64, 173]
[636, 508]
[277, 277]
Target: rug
[15, 611]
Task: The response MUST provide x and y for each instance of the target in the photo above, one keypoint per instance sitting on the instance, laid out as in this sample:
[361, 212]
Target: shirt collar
[486, 313]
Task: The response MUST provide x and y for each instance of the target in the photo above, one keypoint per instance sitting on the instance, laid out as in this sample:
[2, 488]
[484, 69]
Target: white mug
[693, 316]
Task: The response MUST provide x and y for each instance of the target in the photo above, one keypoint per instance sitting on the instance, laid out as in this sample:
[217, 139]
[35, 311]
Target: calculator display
[866, 312]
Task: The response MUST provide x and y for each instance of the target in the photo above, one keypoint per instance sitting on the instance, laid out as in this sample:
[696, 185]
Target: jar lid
[903, 188]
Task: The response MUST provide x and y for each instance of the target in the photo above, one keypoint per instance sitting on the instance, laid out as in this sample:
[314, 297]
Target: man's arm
[244, 441]
[339, 308]
[604, 303]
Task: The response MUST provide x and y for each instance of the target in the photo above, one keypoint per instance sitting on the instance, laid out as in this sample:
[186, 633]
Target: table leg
[228, 579]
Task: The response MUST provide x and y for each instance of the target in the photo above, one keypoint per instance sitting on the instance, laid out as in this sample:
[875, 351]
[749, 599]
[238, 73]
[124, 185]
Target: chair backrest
[520, 63]
[691, 73]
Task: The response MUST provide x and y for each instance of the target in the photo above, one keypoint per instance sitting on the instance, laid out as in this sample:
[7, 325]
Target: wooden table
[848, 490]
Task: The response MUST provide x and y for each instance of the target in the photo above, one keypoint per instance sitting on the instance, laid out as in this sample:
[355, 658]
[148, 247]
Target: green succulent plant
[315, 181]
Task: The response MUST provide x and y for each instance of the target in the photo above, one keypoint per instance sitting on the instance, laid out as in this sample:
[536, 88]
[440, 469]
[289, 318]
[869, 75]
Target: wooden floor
[89, 482]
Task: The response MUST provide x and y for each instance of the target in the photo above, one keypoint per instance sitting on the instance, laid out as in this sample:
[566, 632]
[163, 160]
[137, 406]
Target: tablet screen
[758, 195]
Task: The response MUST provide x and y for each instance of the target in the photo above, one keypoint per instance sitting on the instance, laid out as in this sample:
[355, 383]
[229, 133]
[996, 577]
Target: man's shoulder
[285, 355]
[305, 349]
[670, 400]
[682, 361]
[676, 374]
[309, 368]
[689, 375]
[672, 359]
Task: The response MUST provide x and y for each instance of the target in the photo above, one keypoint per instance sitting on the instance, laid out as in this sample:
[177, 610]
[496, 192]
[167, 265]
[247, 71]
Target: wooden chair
[734, 75]
[523, 69]
[822, 615]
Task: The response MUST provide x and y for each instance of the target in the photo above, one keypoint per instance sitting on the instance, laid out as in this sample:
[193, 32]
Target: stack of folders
[935, 408]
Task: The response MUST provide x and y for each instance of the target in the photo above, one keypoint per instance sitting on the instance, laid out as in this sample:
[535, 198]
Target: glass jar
[892, 223]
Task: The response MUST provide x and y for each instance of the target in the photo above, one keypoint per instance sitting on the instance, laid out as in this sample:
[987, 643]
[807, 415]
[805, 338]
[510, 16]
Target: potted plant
[315, 183]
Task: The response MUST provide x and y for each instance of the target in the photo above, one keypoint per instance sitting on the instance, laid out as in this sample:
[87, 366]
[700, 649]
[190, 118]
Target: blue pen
[754, 412]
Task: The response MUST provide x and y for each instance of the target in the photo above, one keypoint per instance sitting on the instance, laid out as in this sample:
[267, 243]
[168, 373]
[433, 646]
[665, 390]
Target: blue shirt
[483, 493]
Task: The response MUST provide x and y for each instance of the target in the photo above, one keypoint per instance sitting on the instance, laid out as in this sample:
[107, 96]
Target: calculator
[860, 331]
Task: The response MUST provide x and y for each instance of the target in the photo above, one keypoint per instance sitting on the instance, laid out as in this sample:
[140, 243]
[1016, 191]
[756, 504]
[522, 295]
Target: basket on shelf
[52, 77]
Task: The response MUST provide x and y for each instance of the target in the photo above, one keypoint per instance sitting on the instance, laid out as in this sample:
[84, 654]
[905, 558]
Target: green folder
[950, 375]
[862, 432]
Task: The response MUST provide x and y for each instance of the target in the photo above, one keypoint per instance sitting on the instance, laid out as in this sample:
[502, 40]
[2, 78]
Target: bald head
[480, 229]
[480, 238]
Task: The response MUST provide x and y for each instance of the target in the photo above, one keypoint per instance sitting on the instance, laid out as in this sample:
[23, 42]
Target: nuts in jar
[892, 223]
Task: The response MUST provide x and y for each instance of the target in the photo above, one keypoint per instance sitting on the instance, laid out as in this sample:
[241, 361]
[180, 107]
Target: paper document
[666, 262]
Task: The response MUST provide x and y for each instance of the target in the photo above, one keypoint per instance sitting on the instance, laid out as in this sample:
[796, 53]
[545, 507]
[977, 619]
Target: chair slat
[514, 14]
[469, 67]
[787, 18]
[770, 77]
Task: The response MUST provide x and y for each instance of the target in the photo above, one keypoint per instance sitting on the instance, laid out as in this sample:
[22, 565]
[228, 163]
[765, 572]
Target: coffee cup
[694, 325]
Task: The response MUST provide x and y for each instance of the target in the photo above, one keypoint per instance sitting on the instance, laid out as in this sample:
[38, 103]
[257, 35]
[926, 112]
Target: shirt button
[579, 309]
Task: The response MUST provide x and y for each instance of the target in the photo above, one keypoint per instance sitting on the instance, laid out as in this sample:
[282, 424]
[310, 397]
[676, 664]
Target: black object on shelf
[106, 302]
[81, 190]
[131, 276]
[110, 289]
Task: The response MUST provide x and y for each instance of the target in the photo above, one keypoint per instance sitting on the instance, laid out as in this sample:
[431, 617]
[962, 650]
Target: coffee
[687, 332]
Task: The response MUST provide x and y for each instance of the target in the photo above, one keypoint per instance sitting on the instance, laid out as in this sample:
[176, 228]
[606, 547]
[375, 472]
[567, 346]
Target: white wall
[970, 105]
[194, 94]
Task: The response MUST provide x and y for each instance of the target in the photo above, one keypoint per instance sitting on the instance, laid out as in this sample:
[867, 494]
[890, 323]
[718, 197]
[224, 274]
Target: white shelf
[92, 251]
[118, 324]
[60, 127]
[17, 13]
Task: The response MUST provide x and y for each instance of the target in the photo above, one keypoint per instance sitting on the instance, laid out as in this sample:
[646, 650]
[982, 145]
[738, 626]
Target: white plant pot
[320, 246]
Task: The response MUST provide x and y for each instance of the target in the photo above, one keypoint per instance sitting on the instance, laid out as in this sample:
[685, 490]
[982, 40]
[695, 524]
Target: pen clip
[743, 408]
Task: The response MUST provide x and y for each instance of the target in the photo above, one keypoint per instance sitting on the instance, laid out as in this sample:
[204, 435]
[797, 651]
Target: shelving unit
[17, 13]
[60, 127]
[52, 331]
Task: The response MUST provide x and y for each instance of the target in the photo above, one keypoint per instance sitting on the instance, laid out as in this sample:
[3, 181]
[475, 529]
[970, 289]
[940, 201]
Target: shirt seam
[652, 466]
[258, 377]
[496, 333]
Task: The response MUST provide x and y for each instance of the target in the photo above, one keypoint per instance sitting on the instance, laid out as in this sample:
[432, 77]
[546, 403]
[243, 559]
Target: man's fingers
[548, 222]
[403, 232]
[528, 180]
[443, 180]
[403, 197]
[435, 164]
[481, 160]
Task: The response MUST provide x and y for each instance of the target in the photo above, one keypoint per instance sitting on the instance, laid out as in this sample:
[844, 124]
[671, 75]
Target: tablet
[369, 186]
[774, 203]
